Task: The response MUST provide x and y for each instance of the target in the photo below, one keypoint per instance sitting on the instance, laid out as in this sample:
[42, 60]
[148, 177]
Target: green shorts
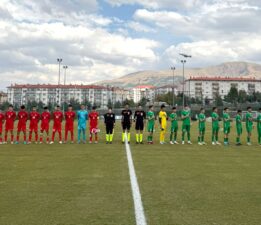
[174, 129]
[185, 128]
[249, 129]
[215, 129]
[226, 130]
[239, 130]
[201, 129]
[151, 127]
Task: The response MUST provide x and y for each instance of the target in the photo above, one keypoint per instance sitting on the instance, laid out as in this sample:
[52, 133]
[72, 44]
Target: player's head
[46, 108]
[239, 111]
[174, 109]
[82, 107]
[186, 107]
[70, 107]
[162, 107]
[151, 107]
[226, 109]
[58, 108]
[10, 107]
[259, 109]
[34, 108]
[126, 106]
[94, 108]
[110, 109]
[214, 109]
[202, 110]
[249, 109]
[22, 107]
[140, 107]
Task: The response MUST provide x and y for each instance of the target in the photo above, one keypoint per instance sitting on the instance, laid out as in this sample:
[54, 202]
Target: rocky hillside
[164, 77]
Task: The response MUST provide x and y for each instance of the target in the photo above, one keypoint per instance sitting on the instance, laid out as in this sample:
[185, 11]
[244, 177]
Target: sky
[105, 39]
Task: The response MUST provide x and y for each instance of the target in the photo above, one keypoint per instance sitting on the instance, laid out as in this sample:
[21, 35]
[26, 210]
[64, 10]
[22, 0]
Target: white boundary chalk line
[139, 211]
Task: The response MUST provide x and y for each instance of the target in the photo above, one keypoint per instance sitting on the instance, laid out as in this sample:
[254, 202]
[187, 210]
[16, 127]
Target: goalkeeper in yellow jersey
[163, 123]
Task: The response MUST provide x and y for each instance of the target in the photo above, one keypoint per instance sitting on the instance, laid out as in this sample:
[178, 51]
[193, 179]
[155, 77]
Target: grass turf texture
[89, 184]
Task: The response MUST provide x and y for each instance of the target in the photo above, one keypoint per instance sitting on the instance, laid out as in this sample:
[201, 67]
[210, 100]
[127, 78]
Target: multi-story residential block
[209, 87]
[145, 91]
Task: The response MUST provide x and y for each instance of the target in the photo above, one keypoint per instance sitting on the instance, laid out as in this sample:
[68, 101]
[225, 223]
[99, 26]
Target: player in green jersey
[215, 126]
[259, 126]
[249, 124]
[201, 127]
[239, 126]
[185, 116]
[151, 123]
[174, 126]
[226, 125]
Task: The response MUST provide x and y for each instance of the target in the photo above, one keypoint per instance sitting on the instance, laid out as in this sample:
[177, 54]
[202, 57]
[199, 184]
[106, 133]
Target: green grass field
[90, 184]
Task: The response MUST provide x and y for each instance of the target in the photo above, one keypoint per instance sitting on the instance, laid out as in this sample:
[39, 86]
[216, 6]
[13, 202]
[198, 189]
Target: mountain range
[165, 77]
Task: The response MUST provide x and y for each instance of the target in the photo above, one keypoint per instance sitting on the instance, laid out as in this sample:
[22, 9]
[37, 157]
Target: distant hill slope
[164, 77]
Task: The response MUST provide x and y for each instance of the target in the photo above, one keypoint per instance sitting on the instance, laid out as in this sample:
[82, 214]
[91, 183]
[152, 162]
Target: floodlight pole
[59, 60]
[173, 77]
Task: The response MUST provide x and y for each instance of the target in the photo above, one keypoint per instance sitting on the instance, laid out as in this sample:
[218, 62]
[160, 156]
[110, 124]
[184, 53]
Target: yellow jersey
[163, 116]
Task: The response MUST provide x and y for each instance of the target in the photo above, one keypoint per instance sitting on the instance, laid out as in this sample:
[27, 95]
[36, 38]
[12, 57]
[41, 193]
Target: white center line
[139, 211]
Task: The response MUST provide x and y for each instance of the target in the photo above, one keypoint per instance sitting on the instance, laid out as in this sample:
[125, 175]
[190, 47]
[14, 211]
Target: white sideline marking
[139, 211]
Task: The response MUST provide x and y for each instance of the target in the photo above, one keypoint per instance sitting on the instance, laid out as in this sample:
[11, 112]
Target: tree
[232, 95]
[143, 102]
[129, 102]
[218, 100]
[117, 105]
[110, 104]
[242, 96]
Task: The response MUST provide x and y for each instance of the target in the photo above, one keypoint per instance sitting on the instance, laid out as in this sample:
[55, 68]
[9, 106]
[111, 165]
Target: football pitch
[76, 184]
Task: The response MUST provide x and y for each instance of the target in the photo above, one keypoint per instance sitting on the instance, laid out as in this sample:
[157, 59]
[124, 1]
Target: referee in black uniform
[126, 122]
[139, 118]
[109, 120]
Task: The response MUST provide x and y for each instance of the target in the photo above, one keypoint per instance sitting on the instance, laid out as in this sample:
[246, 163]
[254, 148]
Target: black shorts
[126, 126]
[109, 128]
[139, 126]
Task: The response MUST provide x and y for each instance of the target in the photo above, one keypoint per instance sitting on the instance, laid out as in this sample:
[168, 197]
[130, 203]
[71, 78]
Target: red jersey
[69, 117]
[10, 117]
[2, 118]
[34, 119]
[22, 118]
[93, 117]
[57, 118]
[45, 117]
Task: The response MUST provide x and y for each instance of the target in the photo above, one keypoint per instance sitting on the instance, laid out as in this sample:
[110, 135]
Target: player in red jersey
[21, 126]
[94, 117]
[57, 124]
[10, 117]
[2, 119]
[45, 117]
[69, 123]
[34, 120]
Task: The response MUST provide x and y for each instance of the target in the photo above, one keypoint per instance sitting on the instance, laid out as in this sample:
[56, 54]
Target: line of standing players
[140, 117]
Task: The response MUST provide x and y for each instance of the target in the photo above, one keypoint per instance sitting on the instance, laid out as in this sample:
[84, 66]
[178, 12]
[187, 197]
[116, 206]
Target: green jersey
[174, 119]
[186, 117]
[259, 121]
[226, 119]
[249, 119]
[151, 117]
[215, 119]
[238, 120]
[201, 120]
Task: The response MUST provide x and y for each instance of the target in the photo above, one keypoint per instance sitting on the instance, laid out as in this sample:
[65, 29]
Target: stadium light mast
[64, 89]
[173, 92]
[183, 87]
[59, 60]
